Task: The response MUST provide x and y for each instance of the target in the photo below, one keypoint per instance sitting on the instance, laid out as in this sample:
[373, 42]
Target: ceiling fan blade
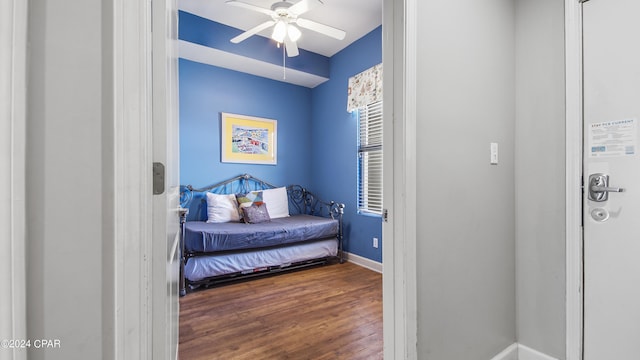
[291, 46]
[250, 7]
[303, 6]
[321, 28]
[252, 32]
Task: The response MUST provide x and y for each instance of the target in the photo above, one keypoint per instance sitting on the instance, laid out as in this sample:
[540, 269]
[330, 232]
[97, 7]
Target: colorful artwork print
[249, 140]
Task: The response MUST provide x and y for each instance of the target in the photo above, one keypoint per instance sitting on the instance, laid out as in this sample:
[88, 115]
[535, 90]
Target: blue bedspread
[204, 237]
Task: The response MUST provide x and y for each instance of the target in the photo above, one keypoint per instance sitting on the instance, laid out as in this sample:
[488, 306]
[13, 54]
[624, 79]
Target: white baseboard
[527, 353]
[517, 351]
[510, 353]
[364, 262]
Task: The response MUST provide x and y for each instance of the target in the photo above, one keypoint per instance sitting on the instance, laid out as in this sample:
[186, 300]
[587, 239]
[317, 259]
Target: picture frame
[248, 139]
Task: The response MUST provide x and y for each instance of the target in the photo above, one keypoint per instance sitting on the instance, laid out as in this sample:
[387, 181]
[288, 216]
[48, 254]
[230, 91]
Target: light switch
[494, 153]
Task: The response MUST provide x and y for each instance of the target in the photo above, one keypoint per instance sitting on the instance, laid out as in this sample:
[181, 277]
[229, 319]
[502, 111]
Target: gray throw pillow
[256, 213]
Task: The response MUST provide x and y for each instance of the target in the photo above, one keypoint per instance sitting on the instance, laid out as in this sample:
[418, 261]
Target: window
[370, 159]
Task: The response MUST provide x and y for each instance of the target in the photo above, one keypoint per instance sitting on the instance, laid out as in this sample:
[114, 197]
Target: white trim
[388, 232]
[399, 275]
[527, 353]
[164, 207]
[13, 37]
[364, 262]
[510, 353]
[517, 351]
[574, 270]
[409, 177]
[132, 169]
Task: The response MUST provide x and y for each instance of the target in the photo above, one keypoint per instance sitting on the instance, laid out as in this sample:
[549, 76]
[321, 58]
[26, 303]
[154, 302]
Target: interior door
[611, 35]
[166, 198]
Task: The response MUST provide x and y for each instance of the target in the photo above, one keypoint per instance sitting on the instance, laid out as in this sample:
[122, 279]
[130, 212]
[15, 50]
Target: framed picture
[249, 140]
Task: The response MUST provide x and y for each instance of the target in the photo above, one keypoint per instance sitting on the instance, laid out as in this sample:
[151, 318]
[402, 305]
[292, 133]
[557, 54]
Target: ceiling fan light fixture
[294, 32]
[279, 31]
[286, 23]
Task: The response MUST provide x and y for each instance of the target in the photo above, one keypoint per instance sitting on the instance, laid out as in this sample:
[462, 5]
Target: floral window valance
[365, 88]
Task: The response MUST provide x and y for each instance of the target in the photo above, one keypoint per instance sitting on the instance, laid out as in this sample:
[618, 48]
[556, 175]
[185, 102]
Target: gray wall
[540, 172]
[67, 263]
[466, 207]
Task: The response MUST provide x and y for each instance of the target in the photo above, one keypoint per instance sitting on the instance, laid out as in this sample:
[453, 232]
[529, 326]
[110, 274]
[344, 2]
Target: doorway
[388, 236]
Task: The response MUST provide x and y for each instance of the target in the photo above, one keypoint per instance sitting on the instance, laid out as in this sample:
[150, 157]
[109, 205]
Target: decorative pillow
[222, 208]
[278, 202]
[248, 199]
[256, 213]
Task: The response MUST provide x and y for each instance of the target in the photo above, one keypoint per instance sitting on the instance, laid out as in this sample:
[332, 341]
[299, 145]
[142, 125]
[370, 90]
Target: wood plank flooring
[328, 312]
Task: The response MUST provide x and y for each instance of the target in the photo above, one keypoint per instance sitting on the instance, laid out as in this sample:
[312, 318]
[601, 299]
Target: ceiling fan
[284, 18]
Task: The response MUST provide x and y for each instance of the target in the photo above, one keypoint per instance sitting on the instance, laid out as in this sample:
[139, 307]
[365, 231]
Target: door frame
[133, 322]
[13, 17]
[132, 313]
[573, 178]
[399, 274]
[399, 292]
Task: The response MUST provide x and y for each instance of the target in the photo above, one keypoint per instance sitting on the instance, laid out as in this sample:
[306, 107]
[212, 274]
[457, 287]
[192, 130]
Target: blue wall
[316, 135]
[206, 91]
[335, 134]
[205, 32]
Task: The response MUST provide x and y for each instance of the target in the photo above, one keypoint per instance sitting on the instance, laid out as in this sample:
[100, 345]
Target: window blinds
[370, 159]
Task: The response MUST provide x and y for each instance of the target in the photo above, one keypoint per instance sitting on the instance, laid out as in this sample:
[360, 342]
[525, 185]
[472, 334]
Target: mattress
[201, 267]
[203, 237]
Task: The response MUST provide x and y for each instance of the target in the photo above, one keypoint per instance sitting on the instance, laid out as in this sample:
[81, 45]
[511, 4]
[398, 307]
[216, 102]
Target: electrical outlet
[375, 243]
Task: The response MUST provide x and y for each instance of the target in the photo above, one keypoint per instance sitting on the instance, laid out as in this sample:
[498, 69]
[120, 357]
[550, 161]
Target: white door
[166, 226]
[611, 32]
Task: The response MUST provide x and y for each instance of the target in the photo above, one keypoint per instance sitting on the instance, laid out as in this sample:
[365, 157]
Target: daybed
[281, 229]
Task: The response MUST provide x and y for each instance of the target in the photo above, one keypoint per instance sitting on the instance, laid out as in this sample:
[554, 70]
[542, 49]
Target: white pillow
[277, 202]
[222, 208]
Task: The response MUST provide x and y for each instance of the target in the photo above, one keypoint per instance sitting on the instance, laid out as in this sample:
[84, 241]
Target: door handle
[596, 188]
[599, 188]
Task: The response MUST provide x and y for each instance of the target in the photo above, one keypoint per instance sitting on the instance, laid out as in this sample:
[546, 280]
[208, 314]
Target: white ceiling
[356, 17]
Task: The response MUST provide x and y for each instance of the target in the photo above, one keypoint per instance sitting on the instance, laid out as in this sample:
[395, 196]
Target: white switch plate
[494, 153]
[375, 243]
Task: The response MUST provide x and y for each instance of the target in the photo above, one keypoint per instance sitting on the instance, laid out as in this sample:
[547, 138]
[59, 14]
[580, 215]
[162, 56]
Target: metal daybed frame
[301, 201]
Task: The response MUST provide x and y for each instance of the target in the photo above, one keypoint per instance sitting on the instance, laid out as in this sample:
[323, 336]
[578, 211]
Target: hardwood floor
[328, 312]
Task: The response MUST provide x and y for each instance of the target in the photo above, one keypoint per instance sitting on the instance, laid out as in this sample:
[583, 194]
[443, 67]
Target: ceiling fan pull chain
[284, 64]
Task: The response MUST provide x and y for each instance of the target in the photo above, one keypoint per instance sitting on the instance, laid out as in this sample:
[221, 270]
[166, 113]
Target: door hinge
[385, 215]
[158, 178]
